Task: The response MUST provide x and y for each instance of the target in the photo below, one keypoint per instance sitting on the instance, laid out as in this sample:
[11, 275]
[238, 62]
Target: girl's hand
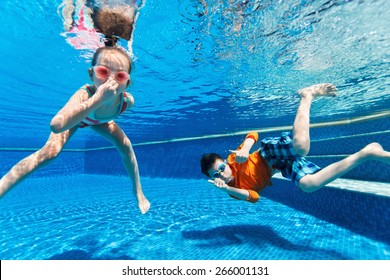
[108, 90]
[241, 155]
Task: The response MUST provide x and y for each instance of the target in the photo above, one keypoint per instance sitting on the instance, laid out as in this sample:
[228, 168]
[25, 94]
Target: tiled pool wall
[181, 159]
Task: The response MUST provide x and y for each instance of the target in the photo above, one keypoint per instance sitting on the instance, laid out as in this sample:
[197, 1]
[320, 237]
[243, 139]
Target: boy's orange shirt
[252, 175]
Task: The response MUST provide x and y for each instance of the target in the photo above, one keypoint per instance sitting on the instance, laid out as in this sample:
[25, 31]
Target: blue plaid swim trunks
[279, 151]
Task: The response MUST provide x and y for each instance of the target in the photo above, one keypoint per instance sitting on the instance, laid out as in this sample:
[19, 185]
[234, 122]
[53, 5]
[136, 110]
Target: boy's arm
[241, 194]
[242, 153]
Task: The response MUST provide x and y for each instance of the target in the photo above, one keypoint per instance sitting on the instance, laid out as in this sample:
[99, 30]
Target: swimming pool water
[190, 84]
[95, 217]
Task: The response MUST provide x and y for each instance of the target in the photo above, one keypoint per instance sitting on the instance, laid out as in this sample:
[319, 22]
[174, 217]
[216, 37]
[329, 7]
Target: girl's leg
[112, 132]
[25, 167]
[301, 127]
[313, 182]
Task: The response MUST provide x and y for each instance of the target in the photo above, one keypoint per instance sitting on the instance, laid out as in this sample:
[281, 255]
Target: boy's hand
[108, 90]
[218, 183]
[241, 155]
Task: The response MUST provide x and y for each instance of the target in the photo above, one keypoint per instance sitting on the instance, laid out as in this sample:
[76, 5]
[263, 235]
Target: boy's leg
[114, 134]
[301, 127]
[25, 167]
[313, 182]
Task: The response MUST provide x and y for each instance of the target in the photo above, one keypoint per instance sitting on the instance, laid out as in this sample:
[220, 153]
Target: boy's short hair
[207, 161]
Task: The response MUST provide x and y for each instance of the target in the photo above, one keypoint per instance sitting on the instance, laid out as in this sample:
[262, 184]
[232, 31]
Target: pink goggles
[102, 72]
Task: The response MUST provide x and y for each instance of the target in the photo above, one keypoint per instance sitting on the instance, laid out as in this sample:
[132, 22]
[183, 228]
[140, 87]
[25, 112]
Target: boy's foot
[318, 90]
[375, 151]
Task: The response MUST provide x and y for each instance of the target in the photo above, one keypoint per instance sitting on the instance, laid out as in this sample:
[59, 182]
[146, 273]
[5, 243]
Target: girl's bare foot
[318, 90]
[143, 204]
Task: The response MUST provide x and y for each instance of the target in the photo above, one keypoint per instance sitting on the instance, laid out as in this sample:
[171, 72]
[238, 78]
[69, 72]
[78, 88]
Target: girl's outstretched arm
[80, 106]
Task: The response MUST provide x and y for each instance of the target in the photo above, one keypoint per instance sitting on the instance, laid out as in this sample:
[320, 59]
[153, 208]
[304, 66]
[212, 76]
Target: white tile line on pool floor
[376, 188]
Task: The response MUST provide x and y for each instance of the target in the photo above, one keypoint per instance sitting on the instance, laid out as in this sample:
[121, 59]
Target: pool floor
[96, 217]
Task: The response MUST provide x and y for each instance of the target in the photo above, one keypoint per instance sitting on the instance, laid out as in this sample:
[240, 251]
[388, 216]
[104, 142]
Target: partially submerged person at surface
[87, 18]
[95, 106]
[244, 175]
